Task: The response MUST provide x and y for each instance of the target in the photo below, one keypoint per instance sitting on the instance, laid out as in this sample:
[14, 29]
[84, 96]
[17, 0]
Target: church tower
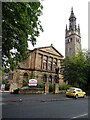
[72, 37]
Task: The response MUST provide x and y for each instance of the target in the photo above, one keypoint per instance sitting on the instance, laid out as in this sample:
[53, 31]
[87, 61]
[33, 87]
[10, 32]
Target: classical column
[36, 59]
[42, 63]
[56, 62]
[47, 63]
[52, 64]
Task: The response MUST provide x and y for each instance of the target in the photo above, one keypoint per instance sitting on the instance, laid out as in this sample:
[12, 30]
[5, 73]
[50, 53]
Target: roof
[51, 46]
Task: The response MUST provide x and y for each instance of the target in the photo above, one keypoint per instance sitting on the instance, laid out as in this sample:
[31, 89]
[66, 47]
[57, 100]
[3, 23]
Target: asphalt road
[43, 106]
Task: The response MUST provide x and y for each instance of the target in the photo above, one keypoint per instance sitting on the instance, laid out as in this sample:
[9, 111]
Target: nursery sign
[32, 82]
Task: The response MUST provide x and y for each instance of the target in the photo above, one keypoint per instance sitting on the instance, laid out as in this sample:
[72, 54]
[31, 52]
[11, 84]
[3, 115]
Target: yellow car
[75, 92]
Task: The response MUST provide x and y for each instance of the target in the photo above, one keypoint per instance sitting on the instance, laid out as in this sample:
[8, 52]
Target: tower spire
[71, 9]
[72, 37]
[72, 20]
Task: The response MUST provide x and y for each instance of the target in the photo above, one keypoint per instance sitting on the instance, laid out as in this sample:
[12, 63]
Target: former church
[42, 64]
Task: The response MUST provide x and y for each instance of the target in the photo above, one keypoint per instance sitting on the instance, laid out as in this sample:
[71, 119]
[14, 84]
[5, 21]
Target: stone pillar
[47, 78]
[46, 87]
[52, 64]
[36, 60]
[56, 62]
[56, 88]
[42, 63]
[52, 79]
[47, 62]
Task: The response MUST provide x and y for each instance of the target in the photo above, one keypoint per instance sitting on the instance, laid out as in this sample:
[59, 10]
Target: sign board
[3, 87]
[32, 82]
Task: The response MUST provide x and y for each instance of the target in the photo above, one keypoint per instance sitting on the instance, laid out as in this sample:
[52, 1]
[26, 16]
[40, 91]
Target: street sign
[32, 82]
[3, 87]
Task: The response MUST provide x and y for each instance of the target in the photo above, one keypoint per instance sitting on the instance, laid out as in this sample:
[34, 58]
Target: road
[43, 106]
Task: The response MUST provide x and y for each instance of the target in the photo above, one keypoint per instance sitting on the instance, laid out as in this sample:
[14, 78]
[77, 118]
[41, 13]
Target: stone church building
[40, 65]
[43, 62]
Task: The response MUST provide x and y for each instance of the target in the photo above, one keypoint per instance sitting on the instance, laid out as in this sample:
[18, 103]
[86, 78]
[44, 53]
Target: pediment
[50, 50]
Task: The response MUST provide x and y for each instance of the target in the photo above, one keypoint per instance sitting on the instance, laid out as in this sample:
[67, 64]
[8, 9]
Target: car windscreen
[71, 89]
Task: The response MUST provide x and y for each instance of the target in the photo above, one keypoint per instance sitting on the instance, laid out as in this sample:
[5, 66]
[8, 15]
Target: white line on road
[80, 116]
[2, 103]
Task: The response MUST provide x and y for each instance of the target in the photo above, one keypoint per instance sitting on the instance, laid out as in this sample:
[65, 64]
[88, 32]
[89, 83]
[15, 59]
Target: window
[79, 90]
[69, 40]
[56, 79]
[25, 76]
[50, 79]
[72, 89]
[54, 65]
[69, 33]
[49, 65]
[45, 78]
[39, 61]
[77, 40]
[44, 64]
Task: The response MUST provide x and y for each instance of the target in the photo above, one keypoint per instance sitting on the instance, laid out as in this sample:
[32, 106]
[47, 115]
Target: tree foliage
[76, 69]
[19, 19]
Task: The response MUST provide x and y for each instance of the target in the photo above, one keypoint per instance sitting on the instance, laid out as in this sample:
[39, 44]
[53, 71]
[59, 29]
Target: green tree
[19, 19]
[75, 70]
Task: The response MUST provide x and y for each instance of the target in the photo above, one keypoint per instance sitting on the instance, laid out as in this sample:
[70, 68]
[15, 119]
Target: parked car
[75, 92]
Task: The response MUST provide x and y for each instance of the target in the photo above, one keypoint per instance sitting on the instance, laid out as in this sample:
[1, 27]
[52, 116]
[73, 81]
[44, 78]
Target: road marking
[80, 116]
[1, 104]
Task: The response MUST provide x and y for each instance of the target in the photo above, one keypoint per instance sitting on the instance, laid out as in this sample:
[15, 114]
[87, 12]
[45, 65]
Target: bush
[63, 87]
[25, 82]
[41, 85]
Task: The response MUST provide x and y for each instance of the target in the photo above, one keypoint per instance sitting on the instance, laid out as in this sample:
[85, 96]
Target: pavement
[5, 91]
[34, 97]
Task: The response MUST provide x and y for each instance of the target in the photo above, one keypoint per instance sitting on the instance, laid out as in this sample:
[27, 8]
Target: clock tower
[72, 37]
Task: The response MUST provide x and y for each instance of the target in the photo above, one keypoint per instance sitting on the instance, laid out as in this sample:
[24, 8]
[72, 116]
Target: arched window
[55, 78]
[44, 64]
[50, 79]
[54, 65]
[50, 65]
[39, 61]
[25, 76]
[45, 78]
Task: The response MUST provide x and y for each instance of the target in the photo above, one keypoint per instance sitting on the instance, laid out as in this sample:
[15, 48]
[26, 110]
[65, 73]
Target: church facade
[41, 65]
[44, 63]
[72, 37]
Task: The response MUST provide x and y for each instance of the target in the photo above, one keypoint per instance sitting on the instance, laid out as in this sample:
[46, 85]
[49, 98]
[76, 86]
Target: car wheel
[84, 95]
[66, 95]
[76, 96]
